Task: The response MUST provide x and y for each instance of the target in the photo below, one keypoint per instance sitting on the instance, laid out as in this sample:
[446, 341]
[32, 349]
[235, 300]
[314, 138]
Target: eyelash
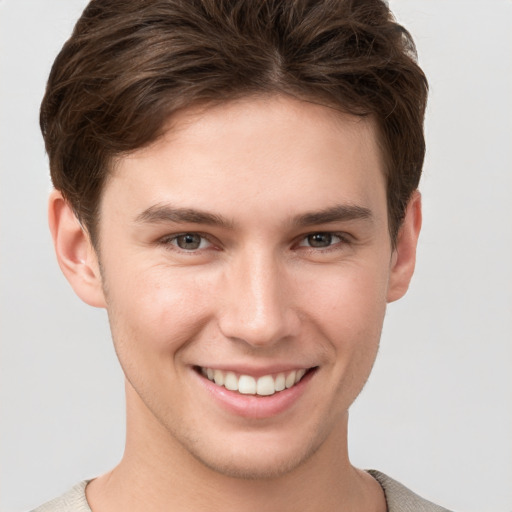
[343, 239]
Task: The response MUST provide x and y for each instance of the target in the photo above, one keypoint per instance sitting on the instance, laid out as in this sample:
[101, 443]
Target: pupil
[189, 241]
[320, 240]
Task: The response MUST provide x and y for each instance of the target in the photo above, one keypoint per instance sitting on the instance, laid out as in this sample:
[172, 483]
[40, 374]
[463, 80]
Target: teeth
[290, 379]
[265, 386]
[248, 385]
[231, 382]
[218, 377]
[280, 382]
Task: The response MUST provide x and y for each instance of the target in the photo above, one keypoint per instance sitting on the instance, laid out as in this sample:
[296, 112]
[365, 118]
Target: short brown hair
[130, 64]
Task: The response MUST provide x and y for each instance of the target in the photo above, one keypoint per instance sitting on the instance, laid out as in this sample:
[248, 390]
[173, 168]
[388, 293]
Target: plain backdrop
[437, 411]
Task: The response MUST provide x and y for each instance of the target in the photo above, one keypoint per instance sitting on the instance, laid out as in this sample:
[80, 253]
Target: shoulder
[401, 499]
[73, 501]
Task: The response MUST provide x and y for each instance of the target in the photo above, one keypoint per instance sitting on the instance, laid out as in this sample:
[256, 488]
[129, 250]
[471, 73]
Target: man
[236, 183]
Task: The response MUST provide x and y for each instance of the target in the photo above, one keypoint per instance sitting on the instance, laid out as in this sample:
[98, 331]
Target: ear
[403, 259]
[75, 253]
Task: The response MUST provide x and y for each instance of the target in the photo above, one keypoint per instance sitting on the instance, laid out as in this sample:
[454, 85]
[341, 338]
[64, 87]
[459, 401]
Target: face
[246, 262]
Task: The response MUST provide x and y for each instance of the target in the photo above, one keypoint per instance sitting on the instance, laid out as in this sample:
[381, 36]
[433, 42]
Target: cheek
[350, 300]
[355, 330]
[155, 311]
[350, 310]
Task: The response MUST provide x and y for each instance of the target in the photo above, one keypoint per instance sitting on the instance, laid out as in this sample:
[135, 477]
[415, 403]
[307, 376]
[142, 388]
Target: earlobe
[75, 254]
[404, 255]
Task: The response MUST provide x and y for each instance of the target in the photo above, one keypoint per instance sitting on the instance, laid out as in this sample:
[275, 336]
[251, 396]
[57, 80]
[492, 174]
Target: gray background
[437, 412]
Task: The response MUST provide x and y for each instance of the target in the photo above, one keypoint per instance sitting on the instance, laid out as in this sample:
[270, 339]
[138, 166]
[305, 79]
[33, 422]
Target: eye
[188, 241]
[320, 240]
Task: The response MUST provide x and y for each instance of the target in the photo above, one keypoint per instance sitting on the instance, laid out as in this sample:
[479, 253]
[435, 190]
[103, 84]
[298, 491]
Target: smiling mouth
[265, 385]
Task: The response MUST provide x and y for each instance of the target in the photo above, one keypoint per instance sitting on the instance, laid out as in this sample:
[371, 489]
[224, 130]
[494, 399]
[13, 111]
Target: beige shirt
[398, 498]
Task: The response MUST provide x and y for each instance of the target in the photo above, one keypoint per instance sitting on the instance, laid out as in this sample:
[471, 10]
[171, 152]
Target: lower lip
[255, 406]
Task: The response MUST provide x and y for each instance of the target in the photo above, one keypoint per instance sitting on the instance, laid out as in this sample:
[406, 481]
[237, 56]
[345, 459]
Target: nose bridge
[258, 309]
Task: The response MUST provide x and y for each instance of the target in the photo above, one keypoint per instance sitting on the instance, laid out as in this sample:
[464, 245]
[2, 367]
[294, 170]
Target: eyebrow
[339, 213]
[161, 213]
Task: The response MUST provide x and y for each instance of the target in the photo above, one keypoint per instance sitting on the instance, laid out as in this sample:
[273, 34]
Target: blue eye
[320, 240]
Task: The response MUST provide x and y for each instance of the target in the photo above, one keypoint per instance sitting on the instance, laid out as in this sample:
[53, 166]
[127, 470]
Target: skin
[254, 295]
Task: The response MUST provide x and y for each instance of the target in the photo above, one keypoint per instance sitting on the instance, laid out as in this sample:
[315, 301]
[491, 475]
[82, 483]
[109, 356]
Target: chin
[256, 460]
[252, 468]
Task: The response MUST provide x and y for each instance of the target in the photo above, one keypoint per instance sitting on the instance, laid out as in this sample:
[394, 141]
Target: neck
[158, 473]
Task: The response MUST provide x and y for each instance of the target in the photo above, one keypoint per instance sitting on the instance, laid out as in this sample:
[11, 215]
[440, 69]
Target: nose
[257, 305]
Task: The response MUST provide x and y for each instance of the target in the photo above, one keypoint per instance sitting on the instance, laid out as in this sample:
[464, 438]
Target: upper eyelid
[173, 236]
[340, 234]
[167, 239]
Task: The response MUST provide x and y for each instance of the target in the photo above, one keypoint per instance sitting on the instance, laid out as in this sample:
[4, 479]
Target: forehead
[253, 117]
[255, 155]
